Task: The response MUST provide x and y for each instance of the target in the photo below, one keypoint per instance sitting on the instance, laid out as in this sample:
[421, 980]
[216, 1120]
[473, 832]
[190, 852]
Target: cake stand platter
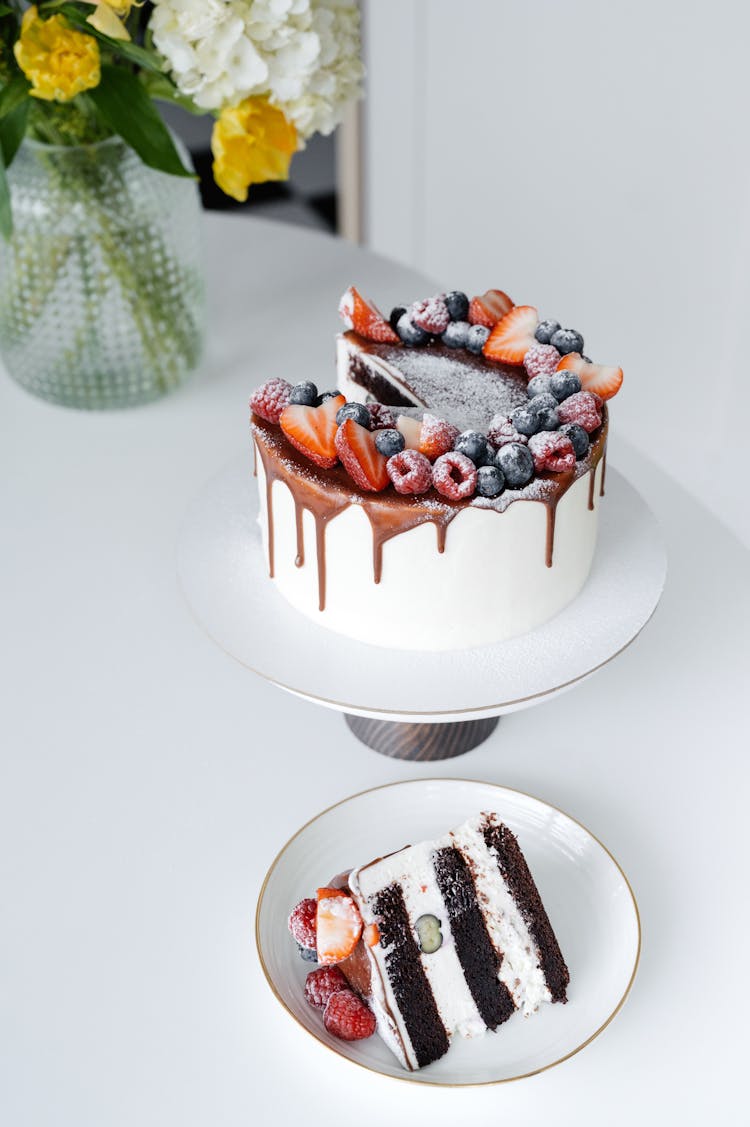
[405, 703]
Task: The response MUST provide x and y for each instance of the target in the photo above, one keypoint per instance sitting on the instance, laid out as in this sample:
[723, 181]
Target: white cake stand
[403, 703]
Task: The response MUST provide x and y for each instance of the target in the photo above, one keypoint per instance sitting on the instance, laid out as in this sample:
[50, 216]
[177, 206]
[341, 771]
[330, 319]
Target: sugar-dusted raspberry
[410, 472]
[553, 451]
[432, 314]
[583, 408]
[455, 476]
[270, 399]
[346, 1016]
[501, 432]
[437, 436]
[302, 922]
[541, 360]
[381, 417]
[321, 983]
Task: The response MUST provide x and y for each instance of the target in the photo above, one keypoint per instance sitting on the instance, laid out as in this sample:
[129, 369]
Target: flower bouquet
[101, 292]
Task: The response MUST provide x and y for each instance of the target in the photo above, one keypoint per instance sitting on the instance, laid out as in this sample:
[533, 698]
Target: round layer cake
[447, 497]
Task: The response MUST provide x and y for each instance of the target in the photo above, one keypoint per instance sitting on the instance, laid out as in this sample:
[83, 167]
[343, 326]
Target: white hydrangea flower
[303, 54]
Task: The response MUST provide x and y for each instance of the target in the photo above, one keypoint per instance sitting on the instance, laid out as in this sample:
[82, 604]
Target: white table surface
[147, 780]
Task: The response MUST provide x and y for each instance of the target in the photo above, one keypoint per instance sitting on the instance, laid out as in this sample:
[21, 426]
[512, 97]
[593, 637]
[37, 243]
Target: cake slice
[455, 939]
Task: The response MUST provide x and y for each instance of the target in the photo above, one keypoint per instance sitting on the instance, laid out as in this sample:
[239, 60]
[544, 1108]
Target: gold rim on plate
[407, 1077]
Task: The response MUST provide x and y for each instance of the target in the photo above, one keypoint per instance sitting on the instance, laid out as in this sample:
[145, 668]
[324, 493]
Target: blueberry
[516, 463]
[476, 338]
[548, 418]
[567, 340]
[578, 437]
[458, 305]
[546, 399]
[389, 442]
[490, 481]
[457, 334]
[396, 314]
[309, 954]
[538, 385]
[562, 384]
[544, 331]
[525, 420]
[326, 395]
[356, 411]
[409, 332]
[473, 445]
[489, 455]
[305, 394]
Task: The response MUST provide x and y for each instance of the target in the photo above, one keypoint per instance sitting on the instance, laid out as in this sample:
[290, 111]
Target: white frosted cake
[446, 497]
[445, 938]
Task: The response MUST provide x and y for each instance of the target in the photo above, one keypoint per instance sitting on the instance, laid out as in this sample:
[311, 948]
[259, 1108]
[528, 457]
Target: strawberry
[330, 893]
[604, 381]
[411, 430]
[338, 926]
[365, 318]
[371, 935]
[312, 430]
[513, 335]
[364, 463]
[436, 437]
[488, 309]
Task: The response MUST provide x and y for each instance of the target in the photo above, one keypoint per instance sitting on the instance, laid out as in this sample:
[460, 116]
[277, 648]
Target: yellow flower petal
[58, 61]
[105, 21]
[251, 143]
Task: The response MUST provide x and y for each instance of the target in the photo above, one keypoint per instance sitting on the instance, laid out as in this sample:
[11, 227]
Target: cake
[447, 937]
[446, 494]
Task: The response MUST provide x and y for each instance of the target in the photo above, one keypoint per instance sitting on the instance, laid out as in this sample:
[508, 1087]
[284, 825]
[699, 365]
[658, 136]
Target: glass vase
[101, 284]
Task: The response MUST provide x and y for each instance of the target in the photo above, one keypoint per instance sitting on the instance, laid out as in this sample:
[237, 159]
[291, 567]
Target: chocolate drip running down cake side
[446, 496]
[443, 938]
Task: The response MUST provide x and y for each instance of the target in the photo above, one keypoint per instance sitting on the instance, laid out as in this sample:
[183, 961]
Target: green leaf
[13, 130]
[5, 11]
[126, 108]
[13, 93]
[6, 218]
[126, 49]
[161, 87]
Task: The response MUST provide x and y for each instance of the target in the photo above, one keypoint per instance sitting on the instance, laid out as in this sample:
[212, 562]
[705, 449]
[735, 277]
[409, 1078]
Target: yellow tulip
[251, 143]
[110, 15]
[58, 61]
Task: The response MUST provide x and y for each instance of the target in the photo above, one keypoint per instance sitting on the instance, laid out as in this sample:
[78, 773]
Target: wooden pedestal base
[425, 742]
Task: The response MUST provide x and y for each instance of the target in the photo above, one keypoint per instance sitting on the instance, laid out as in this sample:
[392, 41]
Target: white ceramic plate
[224, 576]
[586, 894]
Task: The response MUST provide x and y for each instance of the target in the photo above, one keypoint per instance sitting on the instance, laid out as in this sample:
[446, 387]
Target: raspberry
[455, 476]
[437, 437]
[321, 984]
[541, 360]
[431, 315]
[501, 431]
[381, 417]
[410, 472]
[346, 1016]
[270, 399]
[583, 408]
[302, 923]
[552, 451]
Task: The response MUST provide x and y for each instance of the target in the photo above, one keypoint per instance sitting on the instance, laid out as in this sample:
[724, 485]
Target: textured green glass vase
[102, 298]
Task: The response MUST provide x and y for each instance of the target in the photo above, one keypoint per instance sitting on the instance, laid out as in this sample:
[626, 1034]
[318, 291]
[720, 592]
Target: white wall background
[593, 160]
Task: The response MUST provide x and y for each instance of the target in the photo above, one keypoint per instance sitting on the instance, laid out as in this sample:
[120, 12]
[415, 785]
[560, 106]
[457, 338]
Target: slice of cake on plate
[446, 494]
[447, 937]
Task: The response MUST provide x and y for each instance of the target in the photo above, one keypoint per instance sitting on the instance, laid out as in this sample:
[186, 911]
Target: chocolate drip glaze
[326, 493]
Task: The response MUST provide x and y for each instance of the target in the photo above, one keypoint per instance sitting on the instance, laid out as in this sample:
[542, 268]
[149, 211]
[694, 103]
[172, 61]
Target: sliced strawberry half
[363, 461]
[338, 926]
[604, 380]
[312, 430]
[490, 308]
[365, 318]
[513, 335]
[411, 430]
